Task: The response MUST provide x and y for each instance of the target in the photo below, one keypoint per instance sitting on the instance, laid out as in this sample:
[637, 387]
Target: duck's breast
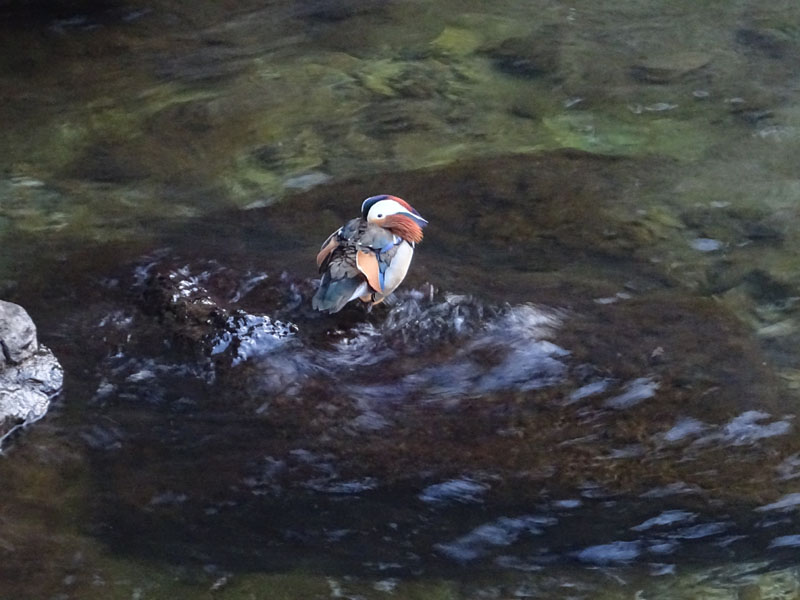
[398, 267]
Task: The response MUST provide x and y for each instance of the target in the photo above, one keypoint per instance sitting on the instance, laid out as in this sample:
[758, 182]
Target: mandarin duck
[368, 257]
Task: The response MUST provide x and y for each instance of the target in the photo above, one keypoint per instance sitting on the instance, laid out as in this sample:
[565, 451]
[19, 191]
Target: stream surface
[587, 387]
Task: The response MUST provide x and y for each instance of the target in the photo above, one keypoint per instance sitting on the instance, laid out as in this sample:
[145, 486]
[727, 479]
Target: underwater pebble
[789, 468]
[370, 421]
[776, 132]
[657, 570]
[455, 490]
[785, 541]
[590, 389]
[668, 67]
[615, 552]
[629, 451]
[637, 390]
[344, 488]
[703, 530]
[745, 428]
[660, 107]
[142, 375]
[102, 438]
[700, 94]
[307, 181]
[612, 299]
[502, 532]
[263, 203]
[168, 498]
[512, 562]
[776, 330]
[667, 547]
[220, 583]
[684, 428]
[386, 585]
[668, 517]
[705, 244]
[335, 587]
[787, 501]
[672, 489]
[27, 182]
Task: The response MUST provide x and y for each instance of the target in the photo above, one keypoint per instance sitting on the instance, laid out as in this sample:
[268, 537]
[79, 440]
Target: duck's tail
[333, 295]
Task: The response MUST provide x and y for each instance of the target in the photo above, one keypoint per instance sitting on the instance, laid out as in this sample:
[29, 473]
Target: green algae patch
[456, 41]
[603, 134]
[125, 579]
[583, 132]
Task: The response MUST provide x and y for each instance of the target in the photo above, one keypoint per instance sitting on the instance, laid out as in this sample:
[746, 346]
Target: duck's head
[395, 214]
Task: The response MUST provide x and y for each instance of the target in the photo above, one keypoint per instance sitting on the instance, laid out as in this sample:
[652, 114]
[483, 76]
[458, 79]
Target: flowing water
[587, 387]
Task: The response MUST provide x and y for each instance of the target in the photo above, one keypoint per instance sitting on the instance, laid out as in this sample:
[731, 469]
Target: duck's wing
[328, 246]
[342, 280]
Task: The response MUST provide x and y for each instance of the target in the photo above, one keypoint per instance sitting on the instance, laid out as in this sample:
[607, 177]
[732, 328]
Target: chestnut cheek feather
[404, 227]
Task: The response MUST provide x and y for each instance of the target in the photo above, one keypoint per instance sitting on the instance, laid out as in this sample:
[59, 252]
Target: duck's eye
[380, 216]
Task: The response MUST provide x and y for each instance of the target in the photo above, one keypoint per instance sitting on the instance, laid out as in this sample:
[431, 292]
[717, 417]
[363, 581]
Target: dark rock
[750, 114]
[106, 163]
[206, 323]
[394, 117]
[767, 42]
[766, 288]
[763, 231]
[532, 56]
[739, 225]
[334, 11]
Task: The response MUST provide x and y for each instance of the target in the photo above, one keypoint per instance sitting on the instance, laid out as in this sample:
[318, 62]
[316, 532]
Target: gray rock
[17, 334]
[30, 374]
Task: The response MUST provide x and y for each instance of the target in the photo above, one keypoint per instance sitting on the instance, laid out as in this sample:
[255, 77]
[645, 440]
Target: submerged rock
[456, 41]
[772, 43]
[208, 323]
[30, 374]
[668, 67]
[532, 56]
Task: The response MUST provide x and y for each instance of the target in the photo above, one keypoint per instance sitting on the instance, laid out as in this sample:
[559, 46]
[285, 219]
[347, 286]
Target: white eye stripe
[384, 208]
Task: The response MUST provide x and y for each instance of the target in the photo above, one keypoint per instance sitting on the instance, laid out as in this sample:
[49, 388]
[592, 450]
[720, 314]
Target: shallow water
[587, 386]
